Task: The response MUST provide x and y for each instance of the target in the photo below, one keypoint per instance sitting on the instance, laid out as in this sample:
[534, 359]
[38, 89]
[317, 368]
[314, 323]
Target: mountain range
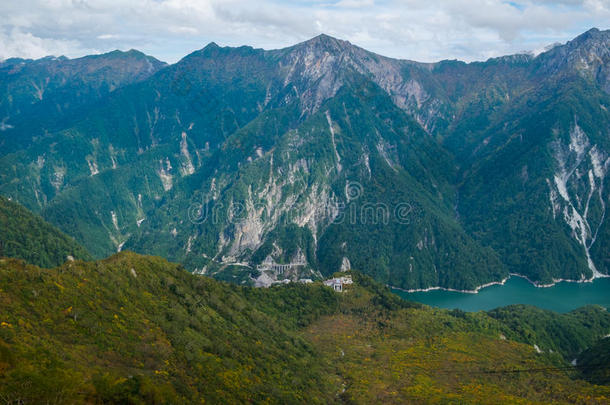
[446, 174]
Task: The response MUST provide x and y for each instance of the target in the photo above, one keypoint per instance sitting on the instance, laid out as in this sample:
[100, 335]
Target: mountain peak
[588, 54]
[211, 45]
[324, 43]
[593, 35]
[325, 38]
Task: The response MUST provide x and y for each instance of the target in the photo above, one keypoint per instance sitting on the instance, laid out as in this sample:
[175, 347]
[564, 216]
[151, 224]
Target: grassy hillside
[26, 236]
[137, 329]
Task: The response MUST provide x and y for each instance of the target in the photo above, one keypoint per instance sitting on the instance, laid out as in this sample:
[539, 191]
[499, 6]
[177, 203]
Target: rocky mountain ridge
[448, 173]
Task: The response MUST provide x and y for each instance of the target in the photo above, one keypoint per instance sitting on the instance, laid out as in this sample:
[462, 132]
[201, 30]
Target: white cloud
[107, 36]
[26, 45]
[411, 29]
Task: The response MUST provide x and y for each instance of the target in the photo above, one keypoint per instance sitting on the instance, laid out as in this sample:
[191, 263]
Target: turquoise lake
[562, 297]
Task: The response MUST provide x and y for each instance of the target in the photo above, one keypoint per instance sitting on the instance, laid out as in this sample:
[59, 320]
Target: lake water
[562, 297]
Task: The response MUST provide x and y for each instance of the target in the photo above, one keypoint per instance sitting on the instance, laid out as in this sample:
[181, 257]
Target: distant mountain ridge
[50, 88]
[458, 173]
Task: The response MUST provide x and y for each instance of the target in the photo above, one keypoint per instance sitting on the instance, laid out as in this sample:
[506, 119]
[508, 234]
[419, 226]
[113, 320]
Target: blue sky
[421, 30]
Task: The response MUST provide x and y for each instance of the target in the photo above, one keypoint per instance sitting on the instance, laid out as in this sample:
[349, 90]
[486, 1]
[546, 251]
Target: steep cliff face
[577, 193]
[447, 174]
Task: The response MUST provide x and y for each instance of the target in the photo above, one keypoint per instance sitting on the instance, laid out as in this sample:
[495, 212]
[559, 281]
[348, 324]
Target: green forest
[137, 329]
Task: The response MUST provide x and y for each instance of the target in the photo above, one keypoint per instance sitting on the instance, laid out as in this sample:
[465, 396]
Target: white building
[338, 282]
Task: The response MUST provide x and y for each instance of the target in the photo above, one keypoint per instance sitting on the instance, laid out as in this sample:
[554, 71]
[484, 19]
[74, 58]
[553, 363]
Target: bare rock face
[577, 192]
[318, 68]
[269, 202]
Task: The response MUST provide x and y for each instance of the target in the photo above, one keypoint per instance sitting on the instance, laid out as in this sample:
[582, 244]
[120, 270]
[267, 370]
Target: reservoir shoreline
[502, 282]
[561, 297]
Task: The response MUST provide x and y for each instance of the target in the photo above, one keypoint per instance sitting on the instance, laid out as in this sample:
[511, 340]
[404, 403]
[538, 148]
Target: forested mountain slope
[26, 236]
[137, 329]
[444, 174]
